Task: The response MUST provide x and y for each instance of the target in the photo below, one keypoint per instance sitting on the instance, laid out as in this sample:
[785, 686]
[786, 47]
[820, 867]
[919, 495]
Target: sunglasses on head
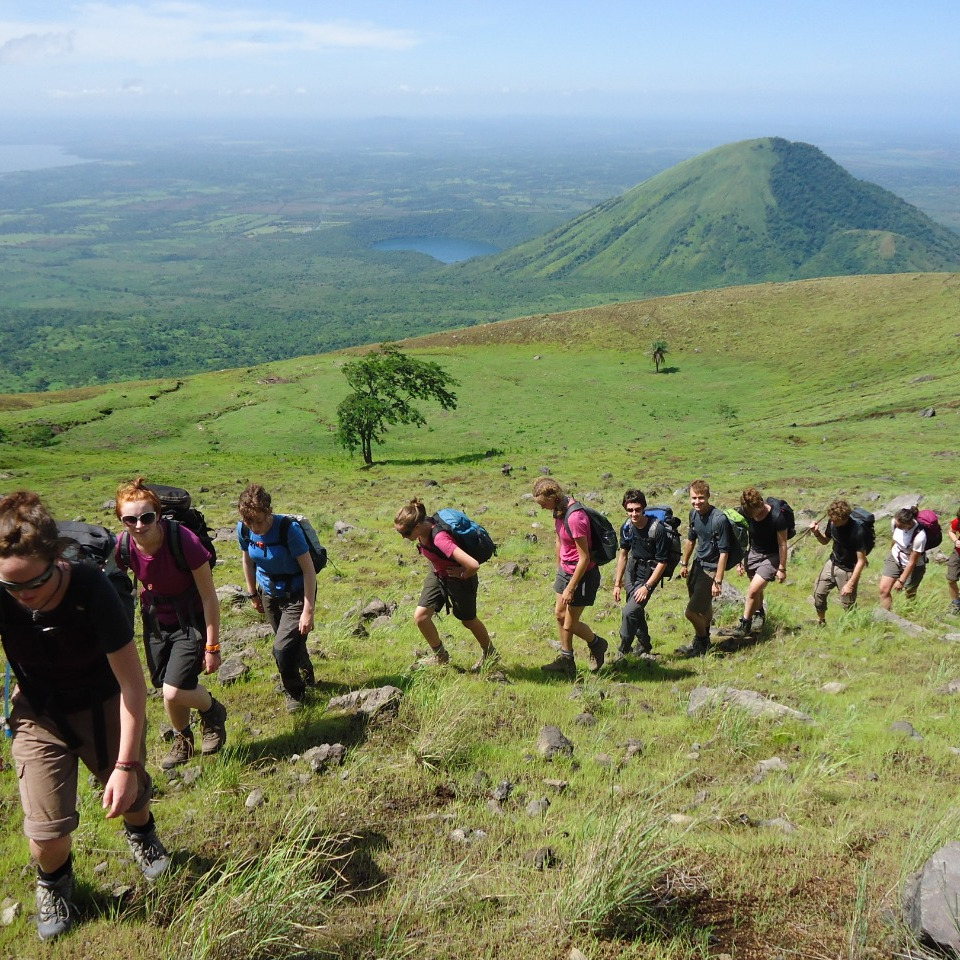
[145, 518]
[15, 587]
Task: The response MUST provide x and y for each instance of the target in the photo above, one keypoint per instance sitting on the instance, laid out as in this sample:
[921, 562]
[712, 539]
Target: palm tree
[658, 353]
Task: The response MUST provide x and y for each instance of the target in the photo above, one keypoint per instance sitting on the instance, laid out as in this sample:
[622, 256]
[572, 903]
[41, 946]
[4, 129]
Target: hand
[683, 571]
[641, 593]
[716, 589]
[815, 527]
[120, 792]
[306, 622]
[897, 585]
[781, 575]
[257, 602]
[211, 661]
[566, 598]
[616, 594]
[741, 570]
[847, 589]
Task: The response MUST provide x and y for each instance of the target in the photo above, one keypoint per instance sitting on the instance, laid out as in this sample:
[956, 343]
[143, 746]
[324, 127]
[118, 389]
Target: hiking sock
[61, 871]
[438, 651]
[140, 831]
[567, 653]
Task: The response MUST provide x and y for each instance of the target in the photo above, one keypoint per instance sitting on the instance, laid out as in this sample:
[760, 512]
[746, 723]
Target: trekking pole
[808, 530]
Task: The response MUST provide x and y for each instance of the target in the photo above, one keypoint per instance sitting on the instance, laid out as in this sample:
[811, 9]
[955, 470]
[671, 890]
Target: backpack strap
[176, 546]
[124, 547]
[573, 505]
[244, 536]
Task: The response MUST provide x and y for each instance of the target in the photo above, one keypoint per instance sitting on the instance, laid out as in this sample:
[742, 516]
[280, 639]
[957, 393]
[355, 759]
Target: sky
[740, 60]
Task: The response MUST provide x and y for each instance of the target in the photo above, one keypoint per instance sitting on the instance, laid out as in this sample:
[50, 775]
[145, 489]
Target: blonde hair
[548, 487]
[410, 515]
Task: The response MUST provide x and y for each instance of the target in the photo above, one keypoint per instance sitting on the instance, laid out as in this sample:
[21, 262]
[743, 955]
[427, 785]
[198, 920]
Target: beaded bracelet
[213, 649]
[127, 766]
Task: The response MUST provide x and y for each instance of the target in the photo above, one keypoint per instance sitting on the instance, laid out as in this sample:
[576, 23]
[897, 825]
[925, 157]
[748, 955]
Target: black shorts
[587, 588]
[175, 655]
[461, 593]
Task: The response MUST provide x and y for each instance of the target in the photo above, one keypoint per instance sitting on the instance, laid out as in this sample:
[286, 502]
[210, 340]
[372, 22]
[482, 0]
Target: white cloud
[167, 32]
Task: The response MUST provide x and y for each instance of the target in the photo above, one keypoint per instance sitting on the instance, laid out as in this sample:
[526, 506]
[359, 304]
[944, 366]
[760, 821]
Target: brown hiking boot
[213, 724]
[564, 666]
[598, 650]
[181, 750]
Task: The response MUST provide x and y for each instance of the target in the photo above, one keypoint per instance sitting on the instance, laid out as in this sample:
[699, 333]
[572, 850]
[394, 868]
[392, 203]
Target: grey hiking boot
[741, 631]
[149, 853]
[955, 606]
[758, 620]
[490, 657]
[181, 750]
[597, 650]
[698, 647]
[564, 666]
[291, 703]
[213, 725]
[55, 909]
[439, 658]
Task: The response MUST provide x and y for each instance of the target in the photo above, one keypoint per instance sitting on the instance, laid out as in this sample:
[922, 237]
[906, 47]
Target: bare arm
[121, 789]
[203, 578]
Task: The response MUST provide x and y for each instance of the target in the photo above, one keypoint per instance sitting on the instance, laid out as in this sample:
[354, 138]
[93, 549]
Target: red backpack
[930, 524]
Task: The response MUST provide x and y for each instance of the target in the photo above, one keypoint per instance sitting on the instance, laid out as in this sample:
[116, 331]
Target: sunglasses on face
[145, 518]
[15, 587]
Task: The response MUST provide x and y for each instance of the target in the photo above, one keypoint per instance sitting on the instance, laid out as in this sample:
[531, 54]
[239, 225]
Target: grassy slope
[806, 389]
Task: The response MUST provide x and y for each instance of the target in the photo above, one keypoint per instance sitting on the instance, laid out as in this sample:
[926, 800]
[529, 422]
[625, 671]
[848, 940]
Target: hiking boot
[307, 676]
[644, 645]
[955, 607]
[597, 651]
[181, 750]
[440, 658]
[757, 621]
[291, 703]
[54, 907]
[565, 666]
[698, 647]
[741, 631]
[150, 854]
[213, 724]
[490, 656]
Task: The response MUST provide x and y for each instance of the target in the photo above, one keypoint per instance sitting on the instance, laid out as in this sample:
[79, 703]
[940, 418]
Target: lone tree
[384, 384]
[658, 353]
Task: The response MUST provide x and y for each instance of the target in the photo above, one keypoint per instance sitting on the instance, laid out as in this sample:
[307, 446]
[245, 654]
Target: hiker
[847, 560]
[906, 564]
[953, 564]
[281, 583]
[710, 531]
[80, 696]
[452, 583]
[643, 559]
[180, 613]
[577, 581]
[766, 559]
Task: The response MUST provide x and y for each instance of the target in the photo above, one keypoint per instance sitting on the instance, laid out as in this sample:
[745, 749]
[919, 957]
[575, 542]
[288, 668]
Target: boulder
[931, 899]
[552, 742]
[907, 626]
[372, 702]
[705, 698]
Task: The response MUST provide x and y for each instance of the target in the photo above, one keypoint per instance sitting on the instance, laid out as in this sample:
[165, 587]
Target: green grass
[807, 390]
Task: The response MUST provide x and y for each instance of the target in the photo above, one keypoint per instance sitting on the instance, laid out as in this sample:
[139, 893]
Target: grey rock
[633, 748]
[538, 808]
[191, 774]
[543, 858]
[257, 631]
[431, 483]
[705, 698]
[585, 720]
[323, 756]
[604, 760]
[950, 688]
[904, 726]
[10, 909]
[552, 742]
[897, 503]
[545, 471]
[372, 702]
[254, 799]
[512, 569]
[834, 686]
[341, 528]
[907, 626]
[778, 823]
[729, 595]
[377, 608]
[931, 899]
[231, 670]
[379, 623]
[502, 791]
[766, 767]
[928, 412]
[557, 785]
[531, 538]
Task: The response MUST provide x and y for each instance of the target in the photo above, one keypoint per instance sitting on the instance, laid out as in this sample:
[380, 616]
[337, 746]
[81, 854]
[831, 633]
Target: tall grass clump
[260, 905]
[616, 864]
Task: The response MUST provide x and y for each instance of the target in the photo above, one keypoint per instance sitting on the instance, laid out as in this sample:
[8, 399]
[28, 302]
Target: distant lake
[34, 156]
[444, 249]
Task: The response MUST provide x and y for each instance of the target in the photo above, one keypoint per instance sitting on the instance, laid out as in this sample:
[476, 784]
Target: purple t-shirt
[160, 577]
[579, 524]
[444, 545]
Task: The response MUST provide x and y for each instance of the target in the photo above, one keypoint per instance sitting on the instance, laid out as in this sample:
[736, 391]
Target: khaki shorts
[893, 569]
[953, 566]
[764, 564]
[47, 768]
[700, 590]
[833, 577]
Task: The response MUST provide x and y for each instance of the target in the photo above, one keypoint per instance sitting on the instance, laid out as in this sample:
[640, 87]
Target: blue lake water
[444, 249]
[34, 156]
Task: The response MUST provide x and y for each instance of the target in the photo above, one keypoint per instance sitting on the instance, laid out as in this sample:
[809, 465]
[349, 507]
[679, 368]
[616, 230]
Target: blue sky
[842, 60]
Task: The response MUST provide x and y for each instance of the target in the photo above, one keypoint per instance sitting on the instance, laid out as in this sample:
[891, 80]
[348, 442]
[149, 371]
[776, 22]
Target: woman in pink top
[578, 577]
[451, 583]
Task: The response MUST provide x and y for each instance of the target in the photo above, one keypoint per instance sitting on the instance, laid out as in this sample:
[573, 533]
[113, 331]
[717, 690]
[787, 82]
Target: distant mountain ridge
[748, 212]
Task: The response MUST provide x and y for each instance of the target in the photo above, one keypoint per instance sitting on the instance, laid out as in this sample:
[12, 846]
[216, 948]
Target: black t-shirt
[712, 534]
[763, 533]
[846, 543]
[61, 657]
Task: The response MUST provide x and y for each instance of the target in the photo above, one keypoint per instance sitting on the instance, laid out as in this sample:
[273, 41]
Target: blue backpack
[470, 536]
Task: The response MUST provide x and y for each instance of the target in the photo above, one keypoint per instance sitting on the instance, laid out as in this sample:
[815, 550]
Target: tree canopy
[385, 383]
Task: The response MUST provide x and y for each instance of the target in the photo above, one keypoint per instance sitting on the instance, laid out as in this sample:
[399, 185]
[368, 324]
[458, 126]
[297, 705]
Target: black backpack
[92, 543]
[782, 508]
[865, 522]
[604, 542]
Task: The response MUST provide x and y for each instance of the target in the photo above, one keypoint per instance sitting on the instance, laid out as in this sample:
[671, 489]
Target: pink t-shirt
[955, 527]
[579, 524]
[444, 546]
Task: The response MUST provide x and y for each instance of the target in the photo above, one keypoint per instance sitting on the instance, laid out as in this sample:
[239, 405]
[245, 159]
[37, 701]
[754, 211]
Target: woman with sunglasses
[80, 697]
[181, 617]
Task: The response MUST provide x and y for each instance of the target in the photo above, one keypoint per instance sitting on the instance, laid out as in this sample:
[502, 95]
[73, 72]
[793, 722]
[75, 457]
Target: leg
[288, 644]
[825, 582]
[886, 585]
[754, 599]
[479, 631]
[423, 618]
